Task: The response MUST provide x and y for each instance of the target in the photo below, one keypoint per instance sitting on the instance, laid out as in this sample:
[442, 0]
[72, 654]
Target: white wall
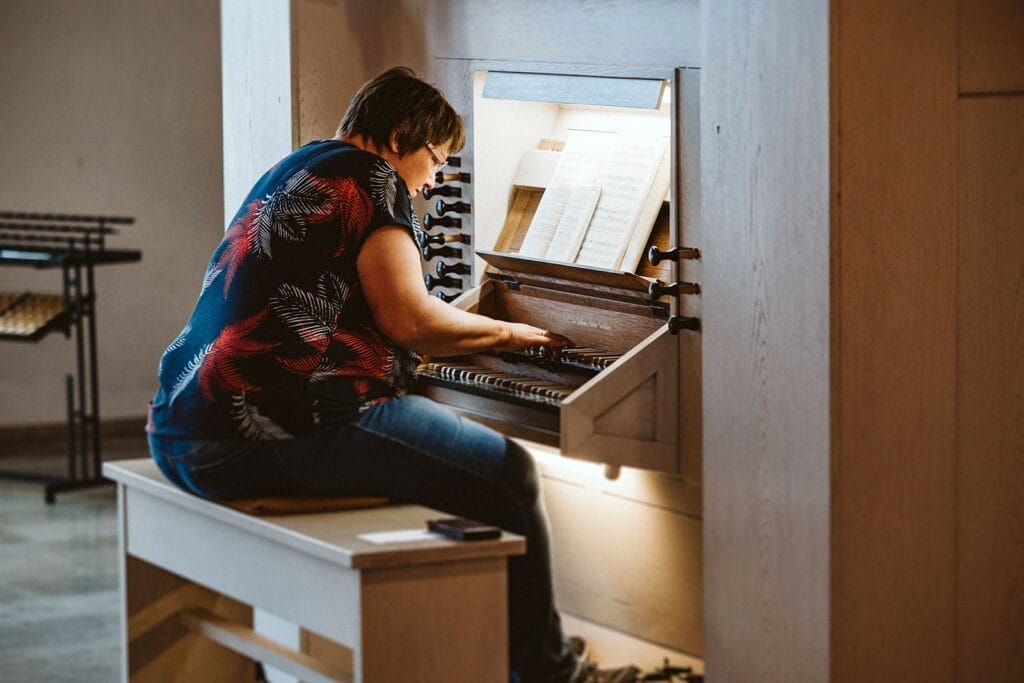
[111, 107]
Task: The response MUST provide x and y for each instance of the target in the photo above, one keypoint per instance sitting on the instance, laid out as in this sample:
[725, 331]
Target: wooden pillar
[888, 157]
[256, 84]
[894, 339]
[765, 189]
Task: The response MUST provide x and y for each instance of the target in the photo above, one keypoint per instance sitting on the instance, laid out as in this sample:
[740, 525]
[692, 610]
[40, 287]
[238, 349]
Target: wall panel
[894, 340]
[990, 390]
[991, 45]
[596, 569]
[765, 235]
[659, 32]
[111, 107]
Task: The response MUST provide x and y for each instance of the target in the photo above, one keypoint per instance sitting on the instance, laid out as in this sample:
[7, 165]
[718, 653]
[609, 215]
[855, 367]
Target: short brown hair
[397, 100]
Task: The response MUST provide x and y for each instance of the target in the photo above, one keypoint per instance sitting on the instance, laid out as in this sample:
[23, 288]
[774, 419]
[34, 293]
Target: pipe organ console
[577, 178]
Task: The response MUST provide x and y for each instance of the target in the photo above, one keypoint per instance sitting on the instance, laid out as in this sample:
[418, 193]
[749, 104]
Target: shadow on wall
[341, 44]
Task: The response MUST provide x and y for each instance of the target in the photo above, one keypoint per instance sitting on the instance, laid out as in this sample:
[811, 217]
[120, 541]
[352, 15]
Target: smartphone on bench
[463, 529]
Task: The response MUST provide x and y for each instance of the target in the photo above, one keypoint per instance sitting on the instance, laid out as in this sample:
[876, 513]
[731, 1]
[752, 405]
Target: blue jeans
[411, 450]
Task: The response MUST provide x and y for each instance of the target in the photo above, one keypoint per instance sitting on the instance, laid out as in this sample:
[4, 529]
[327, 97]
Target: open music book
[601, 201]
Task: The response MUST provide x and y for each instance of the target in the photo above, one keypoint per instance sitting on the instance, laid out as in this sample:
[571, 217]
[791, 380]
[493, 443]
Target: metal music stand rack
[75, 244]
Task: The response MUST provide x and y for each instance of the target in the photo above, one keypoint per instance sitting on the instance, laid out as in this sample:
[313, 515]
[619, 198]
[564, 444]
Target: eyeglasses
[439, 161]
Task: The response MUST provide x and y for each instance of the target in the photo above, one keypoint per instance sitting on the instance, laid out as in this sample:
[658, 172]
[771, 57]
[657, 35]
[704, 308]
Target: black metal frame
[75, 244]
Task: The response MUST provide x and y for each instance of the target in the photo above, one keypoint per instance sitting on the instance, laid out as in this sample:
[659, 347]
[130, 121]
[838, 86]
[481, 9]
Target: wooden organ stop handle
[656, 256]
[442, 177]
[444, 269]
[430, 222]
[424, 239]
[442, 191]
[658, 290]
[454, 207]
[430, 252]
[677, 323]
[432, 282]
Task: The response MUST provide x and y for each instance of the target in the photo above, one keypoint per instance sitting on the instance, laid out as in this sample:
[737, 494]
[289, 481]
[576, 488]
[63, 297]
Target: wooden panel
[524, 204]
[338, 46]
[320, 89]
[991, 46]
[245, 641]
[566, 89]
[687, 199]
[161, 533]
[257, 93]
[765, 245]
[634, 567]
[894, 343]
[451, 625]
[626, 414]
[159, 648]
[990, 396]
[588, 322]
[538, 30]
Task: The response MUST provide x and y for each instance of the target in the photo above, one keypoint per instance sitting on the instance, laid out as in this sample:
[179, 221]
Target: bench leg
[422, 625]
[158, 645]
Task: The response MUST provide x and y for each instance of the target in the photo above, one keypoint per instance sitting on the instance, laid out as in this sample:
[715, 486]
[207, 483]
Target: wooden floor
[58, 575]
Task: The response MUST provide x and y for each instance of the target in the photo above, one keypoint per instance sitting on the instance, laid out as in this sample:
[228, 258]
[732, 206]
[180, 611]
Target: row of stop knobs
[676, 323]
[442, 245]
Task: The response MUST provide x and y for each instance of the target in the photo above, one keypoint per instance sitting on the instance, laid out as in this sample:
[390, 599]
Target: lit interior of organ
[565, 185]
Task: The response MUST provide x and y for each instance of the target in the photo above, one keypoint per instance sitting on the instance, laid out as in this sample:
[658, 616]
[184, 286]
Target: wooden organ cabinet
[614, 398]
[628, 549]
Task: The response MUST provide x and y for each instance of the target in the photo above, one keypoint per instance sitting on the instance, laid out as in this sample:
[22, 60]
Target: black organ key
[467, 374]
[447, 298]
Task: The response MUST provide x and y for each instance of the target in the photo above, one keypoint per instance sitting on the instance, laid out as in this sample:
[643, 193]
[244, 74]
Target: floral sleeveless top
[281, 339]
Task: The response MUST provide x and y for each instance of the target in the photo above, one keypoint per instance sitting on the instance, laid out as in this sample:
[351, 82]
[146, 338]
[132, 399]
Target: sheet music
[580, 164]
[617, 172]
[573, 225]
[545, 221]
[625, 188]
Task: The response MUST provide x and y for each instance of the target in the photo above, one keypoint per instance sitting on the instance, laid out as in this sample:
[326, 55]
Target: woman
[288, 377]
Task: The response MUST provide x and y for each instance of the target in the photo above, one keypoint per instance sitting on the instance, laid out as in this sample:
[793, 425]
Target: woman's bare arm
[389, 270]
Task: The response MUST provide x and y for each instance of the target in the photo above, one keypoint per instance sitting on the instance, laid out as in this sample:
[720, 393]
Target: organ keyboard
[612, 397]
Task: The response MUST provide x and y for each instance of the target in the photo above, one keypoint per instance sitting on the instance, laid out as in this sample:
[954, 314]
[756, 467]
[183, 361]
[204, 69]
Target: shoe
[581, 648]
[622, 674]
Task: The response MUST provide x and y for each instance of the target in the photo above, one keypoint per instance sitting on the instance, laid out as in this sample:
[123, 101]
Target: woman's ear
[393, 142]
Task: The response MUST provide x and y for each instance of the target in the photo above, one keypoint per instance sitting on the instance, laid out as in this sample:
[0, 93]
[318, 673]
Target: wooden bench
[410, 606]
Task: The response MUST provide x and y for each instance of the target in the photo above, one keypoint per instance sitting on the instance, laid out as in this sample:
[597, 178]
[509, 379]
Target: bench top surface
[393, 535]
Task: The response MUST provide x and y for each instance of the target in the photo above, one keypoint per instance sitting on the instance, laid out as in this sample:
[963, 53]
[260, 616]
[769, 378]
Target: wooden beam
[245, 641]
